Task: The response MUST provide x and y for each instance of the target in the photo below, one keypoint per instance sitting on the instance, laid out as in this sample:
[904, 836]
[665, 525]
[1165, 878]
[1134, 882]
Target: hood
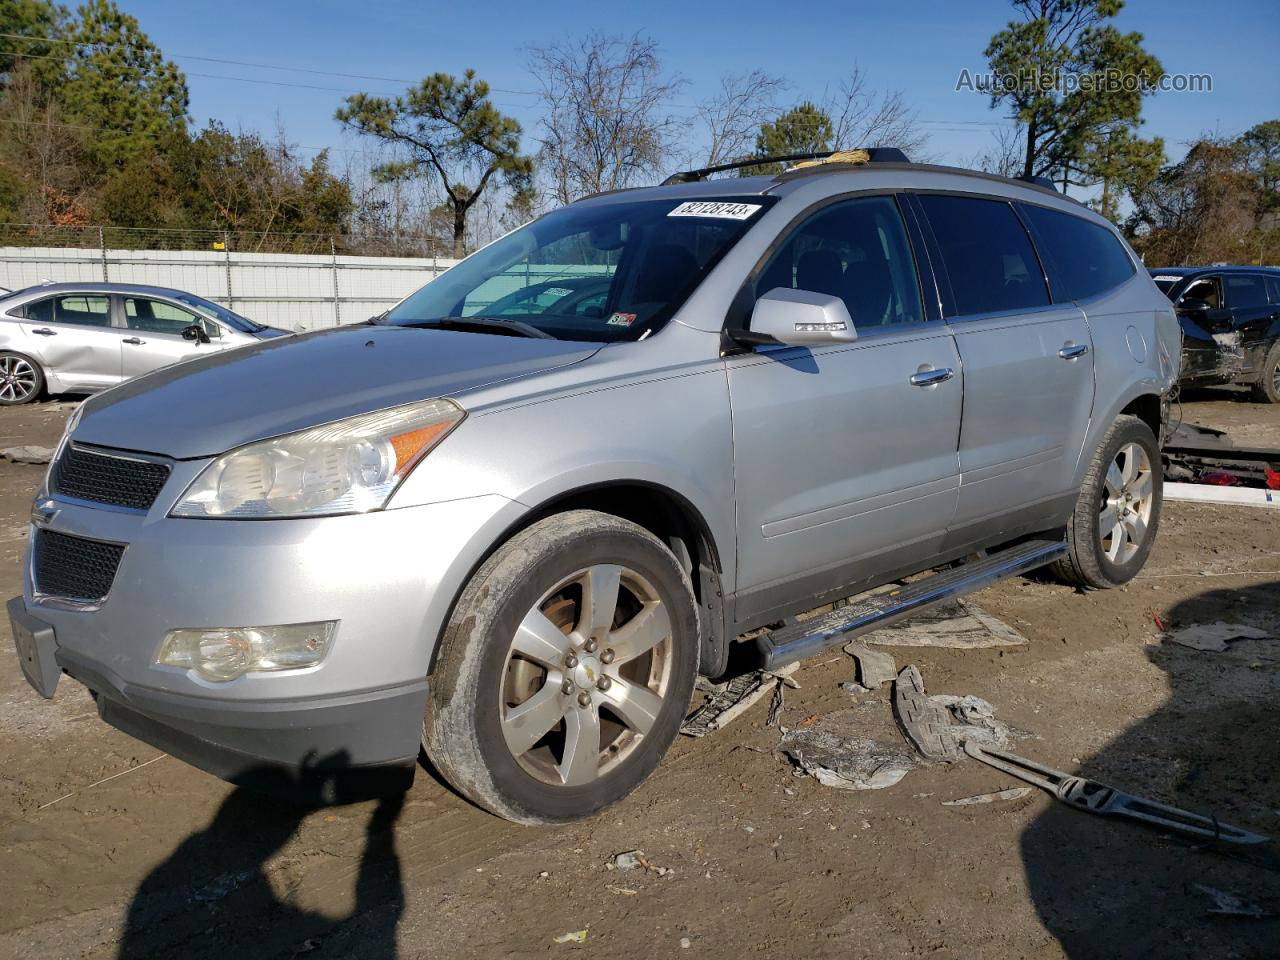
[205, 407]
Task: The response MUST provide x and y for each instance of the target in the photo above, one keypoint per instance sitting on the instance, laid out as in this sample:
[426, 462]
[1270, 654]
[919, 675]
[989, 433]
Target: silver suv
[515, 534]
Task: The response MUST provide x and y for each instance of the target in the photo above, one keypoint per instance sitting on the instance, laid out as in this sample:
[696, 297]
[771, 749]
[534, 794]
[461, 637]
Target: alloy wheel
[17, 379]
[1126, 503]
[586, 675]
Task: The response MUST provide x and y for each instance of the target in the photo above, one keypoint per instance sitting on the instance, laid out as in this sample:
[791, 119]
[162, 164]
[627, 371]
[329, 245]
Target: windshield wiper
[498, 325]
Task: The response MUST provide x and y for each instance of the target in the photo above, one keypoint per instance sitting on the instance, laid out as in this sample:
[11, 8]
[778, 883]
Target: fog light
[224, 653]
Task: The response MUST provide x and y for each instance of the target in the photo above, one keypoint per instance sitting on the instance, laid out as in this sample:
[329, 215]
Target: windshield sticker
[621, 319]
[1170, 279]
[720, 209]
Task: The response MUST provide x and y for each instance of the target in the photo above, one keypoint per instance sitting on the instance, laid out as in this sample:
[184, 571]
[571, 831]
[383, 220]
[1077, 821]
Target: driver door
[155, 339]
[1209, 354]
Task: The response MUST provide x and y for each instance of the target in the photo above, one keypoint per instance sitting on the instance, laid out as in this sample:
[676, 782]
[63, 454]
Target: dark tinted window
[84, 310]
[1083, 259]
[856, 250]
[1245, 292]
[1273, 290]
[988, 256]
[1206, 289]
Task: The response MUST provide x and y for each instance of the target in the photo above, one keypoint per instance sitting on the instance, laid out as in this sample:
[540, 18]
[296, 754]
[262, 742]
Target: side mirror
[1193, 307]
[800, 318]
[195, 333]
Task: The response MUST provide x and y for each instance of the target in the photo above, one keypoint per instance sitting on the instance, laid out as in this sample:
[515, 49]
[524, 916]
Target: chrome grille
[74, 568]
[107, 478]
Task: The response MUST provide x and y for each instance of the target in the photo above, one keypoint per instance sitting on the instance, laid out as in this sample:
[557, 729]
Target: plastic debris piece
[1229, 905]
[1014, 793]
[627, 861]
[939, 726]
[837, 757]
[28, 453]
[1218, 478]
[575, 936]
[958, 624]
[730, 700]
[1214, 637]
[875, 667]
[1095, 797]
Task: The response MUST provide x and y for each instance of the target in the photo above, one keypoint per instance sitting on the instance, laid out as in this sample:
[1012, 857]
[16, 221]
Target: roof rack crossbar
[874, 155]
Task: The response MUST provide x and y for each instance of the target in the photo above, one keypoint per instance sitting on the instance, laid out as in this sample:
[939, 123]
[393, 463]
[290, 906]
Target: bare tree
[863, 116]
[733, 117]
[606, 122]
[1004, 157]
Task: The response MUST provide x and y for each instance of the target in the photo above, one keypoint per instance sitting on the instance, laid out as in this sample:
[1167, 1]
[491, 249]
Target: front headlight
[349, 466]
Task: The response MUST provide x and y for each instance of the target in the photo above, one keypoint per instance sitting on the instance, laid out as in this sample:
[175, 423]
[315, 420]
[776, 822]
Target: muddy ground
[111, 849]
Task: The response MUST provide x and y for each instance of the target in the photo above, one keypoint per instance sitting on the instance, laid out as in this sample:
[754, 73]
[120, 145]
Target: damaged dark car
[1230, 319]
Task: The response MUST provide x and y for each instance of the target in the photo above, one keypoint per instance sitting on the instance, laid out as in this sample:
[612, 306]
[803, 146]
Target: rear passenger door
[1028, 367]
[1253, 316]
[844, 455]
[73, 336]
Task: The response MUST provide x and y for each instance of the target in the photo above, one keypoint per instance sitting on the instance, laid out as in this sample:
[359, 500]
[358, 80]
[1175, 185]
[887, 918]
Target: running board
[873, 611]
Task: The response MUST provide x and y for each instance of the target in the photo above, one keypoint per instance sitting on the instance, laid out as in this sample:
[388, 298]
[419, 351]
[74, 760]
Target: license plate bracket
[36, 646]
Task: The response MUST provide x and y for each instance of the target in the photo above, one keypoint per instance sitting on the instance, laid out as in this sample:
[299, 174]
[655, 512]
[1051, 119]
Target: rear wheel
[1267, 387]
[21, 379]
[565, 671]
[1117, 512]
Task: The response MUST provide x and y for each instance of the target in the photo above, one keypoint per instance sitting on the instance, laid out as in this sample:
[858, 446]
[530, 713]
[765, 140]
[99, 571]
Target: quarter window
[989, 258]
[856, 250]
[1083, 259]
[1245, 292]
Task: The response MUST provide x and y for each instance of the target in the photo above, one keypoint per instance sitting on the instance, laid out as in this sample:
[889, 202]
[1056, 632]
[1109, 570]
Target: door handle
[45, 332]
[931, 378]
[133, 340]
[1073, 350]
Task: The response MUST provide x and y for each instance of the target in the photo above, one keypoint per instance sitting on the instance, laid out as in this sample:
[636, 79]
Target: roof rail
[1039, 181]
[866, 155]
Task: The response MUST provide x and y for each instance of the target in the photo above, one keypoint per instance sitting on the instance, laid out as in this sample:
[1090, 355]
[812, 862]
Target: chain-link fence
[294, 281]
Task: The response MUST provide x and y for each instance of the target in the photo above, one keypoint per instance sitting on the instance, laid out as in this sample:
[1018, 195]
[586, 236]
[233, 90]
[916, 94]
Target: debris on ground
[1014, 793]
[574, 936]
[836, 753]
[1095, 797]
[875, 667]
[957, 624]
[1213, 637]
[636, 860]
[728, 701]
[29, 453]
[1229, 905]
[939, 726]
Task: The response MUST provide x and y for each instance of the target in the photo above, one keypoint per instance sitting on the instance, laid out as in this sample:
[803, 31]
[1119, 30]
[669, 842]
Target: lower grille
[74, 568]
[106, 478]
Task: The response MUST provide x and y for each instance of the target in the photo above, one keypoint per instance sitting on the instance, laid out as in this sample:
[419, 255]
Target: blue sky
[918, 48]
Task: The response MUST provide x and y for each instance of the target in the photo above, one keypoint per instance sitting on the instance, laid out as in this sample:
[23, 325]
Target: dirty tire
[463, 728]
[1267, 387]
[1086, 564]
[21, 379]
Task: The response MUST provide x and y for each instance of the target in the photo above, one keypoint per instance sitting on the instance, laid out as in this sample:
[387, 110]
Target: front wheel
[565, 670]
[1117, 513]
[1267, 387]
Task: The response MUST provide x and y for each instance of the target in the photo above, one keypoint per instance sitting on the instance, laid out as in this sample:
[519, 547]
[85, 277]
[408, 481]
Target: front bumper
[388, 578]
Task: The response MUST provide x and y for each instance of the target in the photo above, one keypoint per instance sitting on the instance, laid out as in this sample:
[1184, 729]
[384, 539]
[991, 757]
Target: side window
[856, 250]
[1245, 292]
[1082, 258]
[40, 311]
[1273, 289]
[79, 309]
[1206, 289]
[156, 316]
[988, 255]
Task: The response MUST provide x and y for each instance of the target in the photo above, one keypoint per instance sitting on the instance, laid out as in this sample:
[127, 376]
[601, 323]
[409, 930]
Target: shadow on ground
[212, 896]
[1112, 888]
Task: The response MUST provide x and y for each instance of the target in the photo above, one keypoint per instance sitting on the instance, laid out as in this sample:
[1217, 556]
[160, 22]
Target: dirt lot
[112, 849]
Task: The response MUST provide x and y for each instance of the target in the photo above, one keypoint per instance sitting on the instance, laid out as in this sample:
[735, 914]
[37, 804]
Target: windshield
[219, 313]
[599, 272]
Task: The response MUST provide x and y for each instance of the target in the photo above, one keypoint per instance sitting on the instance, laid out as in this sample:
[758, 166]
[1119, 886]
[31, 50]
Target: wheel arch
[664, 512]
